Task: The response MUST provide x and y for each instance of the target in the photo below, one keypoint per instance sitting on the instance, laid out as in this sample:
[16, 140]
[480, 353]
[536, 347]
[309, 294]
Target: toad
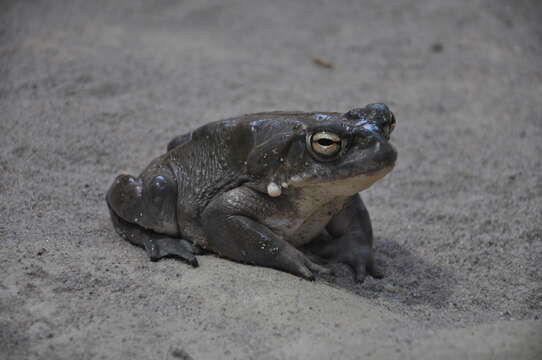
[273, 189]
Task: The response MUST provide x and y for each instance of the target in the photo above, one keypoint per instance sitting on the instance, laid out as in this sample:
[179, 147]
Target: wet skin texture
[277, 189]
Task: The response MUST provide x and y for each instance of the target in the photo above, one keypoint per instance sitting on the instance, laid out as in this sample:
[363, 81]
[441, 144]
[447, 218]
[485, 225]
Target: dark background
[90, 89]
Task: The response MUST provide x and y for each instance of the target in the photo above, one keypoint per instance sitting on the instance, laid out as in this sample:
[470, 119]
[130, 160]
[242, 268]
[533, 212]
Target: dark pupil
[326, 142]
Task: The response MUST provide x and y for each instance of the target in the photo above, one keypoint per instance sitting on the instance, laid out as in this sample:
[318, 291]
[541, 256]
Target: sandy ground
[92, 89]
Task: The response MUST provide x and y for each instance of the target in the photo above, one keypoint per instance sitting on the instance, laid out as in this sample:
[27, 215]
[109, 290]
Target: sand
[90, 89]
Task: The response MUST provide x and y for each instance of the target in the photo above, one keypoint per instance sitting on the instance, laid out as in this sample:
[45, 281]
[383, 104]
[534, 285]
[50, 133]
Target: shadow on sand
[409, 279]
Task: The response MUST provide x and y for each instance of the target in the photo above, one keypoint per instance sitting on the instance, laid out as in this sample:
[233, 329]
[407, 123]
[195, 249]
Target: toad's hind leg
[156, 245]
[143, 212]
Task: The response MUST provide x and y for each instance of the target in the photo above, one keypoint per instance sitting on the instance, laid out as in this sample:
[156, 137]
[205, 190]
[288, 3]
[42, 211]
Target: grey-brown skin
[276, 189]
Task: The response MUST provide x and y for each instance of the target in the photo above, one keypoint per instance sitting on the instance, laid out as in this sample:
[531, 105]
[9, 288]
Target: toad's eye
[325, 144]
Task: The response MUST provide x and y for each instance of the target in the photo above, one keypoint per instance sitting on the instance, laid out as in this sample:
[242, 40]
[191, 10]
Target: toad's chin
[357, 183]
[344, 186]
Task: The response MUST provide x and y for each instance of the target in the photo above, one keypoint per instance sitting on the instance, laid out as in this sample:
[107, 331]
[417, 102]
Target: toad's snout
[375, 118]
[380, 119]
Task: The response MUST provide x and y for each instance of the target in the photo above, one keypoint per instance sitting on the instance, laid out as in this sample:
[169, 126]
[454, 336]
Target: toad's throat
[342, 187]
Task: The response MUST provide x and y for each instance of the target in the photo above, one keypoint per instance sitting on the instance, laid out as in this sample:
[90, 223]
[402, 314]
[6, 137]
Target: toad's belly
[299, 228]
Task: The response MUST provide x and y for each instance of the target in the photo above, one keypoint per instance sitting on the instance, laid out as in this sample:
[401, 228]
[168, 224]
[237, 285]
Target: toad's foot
[156, 245]
[348, 250]
[158, 248]
[294, 261]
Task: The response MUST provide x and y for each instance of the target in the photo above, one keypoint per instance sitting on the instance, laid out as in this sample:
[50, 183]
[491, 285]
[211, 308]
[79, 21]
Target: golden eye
[325, 143]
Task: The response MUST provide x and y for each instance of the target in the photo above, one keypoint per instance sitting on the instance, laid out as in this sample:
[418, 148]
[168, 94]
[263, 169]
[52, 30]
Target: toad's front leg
[233, 232]
[352, 242]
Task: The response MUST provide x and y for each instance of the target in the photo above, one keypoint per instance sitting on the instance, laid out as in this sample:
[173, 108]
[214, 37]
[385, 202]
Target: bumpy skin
[256, 189]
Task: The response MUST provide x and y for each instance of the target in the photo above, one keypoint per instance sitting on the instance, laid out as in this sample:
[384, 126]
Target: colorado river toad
[275, 189]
